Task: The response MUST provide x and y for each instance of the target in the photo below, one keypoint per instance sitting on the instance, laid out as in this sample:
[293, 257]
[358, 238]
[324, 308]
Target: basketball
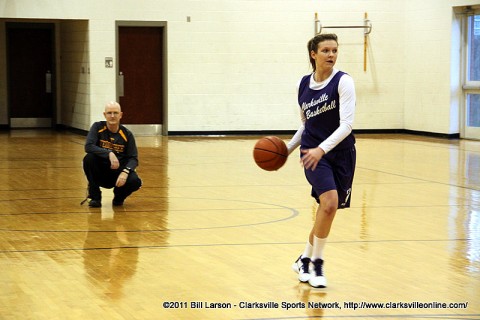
[270, 153]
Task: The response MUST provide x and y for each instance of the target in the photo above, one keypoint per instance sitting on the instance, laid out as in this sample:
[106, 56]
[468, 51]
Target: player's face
[112, 115]
[326, 55]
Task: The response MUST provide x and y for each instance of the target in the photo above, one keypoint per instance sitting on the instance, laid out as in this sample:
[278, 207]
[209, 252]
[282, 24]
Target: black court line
[466, 206]
[159, 211]
[147, 211]
[421, 179]
[168, 246]
[293, 213]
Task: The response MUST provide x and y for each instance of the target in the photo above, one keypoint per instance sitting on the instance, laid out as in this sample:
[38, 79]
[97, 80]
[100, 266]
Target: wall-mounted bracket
[367, 28]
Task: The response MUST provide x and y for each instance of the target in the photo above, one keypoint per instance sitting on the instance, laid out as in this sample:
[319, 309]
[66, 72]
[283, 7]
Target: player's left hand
[311, 157]
[122, 178]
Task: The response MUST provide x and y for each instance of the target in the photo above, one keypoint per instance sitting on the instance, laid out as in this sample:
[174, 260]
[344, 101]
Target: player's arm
[131, 152]
[91, 143]
[346, 90]
[297, 137]
[130, 158]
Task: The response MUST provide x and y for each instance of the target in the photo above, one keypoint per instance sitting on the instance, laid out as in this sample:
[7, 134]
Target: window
[473, 55]
[471, 87]
[473, 110]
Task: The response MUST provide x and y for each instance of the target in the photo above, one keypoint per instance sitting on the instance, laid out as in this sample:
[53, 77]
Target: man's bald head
[113, 104]
[113, 114]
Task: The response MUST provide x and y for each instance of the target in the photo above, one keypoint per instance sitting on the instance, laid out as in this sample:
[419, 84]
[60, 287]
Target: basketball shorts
[334, 171]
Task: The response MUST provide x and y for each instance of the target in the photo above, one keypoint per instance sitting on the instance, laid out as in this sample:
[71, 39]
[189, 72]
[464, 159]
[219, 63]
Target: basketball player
[327, 148]
[111, 158]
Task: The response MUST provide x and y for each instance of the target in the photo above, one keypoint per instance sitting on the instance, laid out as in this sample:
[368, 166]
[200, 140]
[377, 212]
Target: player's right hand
[114, 164]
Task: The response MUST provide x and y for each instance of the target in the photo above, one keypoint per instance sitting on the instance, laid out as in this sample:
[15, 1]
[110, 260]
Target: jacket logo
[112, 146]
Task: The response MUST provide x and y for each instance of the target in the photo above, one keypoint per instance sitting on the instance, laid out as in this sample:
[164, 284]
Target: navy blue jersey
[321, 109]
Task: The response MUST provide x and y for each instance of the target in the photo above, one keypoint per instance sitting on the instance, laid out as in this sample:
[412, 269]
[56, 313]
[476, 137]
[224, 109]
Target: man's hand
[114, 164]
[122, 178]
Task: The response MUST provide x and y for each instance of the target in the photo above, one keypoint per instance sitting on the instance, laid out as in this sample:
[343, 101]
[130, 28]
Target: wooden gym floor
[211, 236]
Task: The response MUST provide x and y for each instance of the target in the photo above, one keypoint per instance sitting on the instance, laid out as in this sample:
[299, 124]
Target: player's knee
[88, 162]
[330, 208]
[136, 184]
[89, 158]
[329, 203]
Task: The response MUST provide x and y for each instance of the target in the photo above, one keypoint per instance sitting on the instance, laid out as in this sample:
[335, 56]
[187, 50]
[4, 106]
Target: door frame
[146, 129]
[34, 122]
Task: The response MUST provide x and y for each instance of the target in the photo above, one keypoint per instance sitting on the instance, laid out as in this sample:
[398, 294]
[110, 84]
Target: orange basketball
[270, 153]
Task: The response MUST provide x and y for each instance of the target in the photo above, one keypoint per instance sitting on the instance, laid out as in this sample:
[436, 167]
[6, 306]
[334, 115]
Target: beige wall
[235, 65]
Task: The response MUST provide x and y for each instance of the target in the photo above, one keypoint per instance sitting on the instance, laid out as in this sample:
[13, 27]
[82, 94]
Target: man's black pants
[99, 174]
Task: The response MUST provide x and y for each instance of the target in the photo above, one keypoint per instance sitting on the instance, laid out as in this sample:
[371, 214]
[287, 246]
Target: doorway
[30, 74]
[141, 76]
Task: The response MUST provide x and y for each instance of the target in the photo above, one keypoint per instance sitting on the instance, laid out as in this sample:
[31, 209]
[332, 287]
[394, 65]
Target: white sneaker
[301, 266]
[317, 279]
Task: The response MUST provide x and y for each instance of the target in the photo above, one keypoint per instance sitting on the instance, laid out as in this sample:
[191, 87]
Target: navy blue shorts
[334, 171]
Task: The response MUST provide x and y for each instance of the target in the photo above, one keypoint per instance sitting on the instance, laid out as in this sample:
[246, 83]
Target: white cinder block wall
[235, 65]
[74, 75]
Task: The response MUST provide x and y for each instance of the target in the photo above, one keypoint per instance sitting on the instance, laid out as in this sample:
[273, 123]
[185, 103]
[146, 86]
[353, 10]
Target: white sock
[318, 246]
[307, 253]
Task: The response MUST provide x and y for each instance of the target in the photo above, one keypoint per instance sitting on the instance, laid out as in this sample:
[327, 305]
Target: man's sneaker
[117, 202]
[317, 279]
[95, 204]
[301, 266]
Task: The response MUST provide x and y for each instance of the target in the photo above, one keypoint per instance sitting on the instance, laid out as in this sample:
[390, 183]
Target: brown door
[30, 74]
[141, 66]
